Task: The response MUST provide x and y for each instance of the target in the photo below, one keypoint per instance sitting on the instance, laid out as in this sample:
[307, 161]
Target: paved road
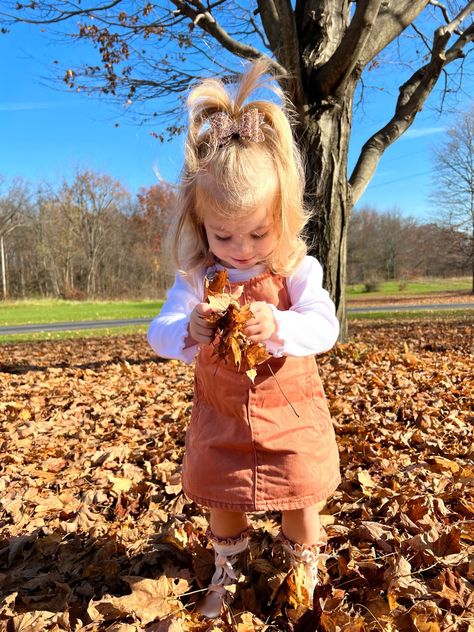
[105, 324]
[72, 326]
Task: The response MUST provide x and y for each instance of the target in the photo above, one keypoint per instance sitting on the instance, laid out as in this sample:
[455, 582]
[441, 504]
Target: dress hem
[273, 504]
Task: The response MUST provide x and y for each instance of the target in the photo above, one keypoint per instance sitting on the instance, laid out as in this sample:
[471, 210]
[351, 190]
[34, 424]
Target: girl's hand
[200, 330]
[262, 325]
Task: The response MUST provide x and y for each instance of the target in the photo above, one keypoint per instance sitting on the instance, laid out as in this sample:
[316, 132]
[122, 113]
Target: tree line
[86, 239]
[386, 245]
[89, 238]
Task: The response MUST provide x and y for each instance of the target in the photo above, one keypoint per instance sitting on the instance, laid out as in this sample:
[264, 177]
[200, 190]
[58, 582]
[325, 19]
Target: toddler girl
[267, 444]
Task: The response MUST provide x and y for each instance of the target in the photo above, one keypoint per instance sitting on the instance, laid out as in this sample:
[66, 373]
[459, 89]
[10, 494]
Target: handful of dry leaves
[231, 344]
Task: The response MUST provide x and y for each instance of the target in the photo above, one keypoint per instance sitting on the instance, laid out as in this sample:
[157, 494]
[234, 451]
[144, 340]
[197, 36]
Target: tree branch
[444, 10]
[463, 15]
[279, 23]
[271, 24]
[5, 225]
[202, 18]
[63, 15]
[456, 50]
[412, 96]
[334, 73]
[421, 35]
[393, 18]
[261, 34]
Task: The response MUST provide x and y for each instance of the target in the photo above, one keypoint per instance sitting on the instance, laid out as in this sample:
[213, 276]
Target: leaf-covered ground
[95, 533]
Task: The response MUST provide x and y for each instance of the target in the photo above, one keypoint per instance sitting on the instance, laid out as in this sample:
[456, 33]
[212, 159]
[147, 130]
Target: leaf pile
[95, 534]
[230, 318]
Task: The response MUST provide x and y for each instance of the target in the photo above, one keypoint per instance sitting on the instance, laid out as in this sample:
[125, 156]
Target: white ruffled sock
[227, 552]
[309, 555]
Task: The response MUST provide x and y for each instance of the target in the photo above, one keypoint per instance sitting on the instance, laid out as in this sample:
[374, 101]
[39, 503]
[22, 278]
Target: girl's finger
[252, 331]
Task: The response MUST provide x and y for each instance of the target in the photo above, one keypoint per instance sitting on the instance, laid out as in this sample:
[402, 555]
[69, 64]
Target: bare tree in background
[92, 205]
[321, 51]
[58, 246]
[149, 224]
[13, 204]
[379, 246]
[85, 237]
[454, 183]
[385, 245]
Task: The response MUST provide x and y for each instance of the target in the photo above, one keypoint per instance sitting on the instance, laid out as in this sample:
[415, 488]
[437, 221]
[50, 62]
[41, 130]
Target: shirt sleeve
[168, 331]
[310, 325]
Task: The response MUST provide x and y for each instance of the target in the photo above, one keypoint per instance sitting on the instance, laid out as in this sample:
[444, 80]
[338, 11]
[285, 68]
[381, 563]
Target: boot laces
[224, 574]
[310, 557]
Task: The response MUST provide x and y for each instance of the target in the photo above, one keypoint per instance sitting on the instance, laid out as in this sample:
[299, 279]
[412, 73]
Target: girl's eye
[260, 236]
[219, 238]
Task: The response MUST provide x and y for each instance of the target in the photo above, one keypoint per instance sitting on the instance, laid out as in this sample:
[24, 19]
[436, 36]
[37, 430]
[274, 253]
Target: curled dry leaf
[230, 317]
[149, 599]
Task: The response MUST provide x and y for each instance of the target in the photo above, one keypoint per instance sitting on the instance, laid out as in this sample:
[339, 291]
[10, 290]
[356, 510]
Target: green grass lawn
[56, 310]
[413, 287]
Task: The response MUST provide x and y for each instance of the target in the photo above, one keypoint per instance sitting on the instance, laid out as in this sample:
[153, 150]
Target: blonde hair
[231, 179]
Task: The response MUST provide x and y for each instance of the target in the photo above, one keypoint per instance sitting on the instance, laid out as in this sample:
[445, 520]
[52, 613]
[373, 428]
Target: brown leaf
[231, 344]
[423, 623]
[150, 599]
[217, 283]
[400, 581]
[441, 464]
[219, 303]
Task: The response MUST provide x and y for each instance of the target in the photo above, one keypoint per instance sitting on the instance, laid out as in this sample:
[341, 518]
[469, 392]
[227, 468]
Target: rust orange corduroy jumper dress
[246, 450]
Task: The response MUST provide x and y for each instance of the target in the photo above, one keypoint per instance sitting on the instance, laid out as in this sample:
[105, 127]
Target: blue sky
[47, 130]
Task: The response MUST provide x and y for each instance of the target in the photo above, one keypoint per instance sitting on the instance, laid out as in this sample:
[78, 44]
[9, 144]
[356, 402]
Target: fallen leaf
[150, 599]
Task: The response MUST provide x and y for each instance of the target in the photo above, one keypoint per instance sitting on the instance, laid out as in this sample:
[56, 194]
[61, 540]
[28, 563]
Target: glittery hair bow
[223, 127]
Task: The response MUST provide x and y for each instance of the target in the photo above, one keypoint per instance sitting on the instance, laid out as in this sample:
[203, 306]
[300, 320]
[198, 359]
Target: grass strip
[401, 288]
[54, 311]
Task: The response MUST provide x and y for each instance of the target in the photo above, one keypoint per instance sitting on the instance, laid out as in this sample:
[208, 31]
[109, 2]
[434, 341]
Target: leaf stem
[281, 390]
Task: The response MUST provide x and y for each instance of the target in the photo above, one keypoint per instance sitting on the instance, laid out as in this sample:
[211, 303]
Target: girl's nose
[244, 245]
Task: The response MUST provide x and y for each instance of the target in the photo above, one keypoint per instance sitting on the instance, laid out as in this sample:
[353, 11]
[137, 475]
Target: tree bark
[324, 140]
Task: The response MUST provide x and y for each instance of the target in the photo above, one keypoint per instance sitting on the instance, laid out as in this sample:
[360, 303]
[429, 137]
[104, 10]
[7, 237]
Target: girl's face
[244, 242]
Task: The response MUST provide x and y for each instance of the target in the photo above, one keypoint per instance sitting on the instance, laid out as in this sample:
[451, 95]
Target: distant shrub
[371, 285]
[73, 294]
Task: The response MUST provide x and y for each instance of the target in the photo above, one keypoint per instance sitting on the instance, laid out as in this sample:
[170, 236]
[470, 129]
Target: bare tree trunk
[51, 269]
[325, 140]
[92, 276]
[22, 277]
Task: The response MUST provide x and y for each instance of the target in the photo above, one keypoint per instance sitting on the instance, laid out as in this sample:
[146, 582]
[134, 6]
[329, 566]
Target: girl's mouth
[242, 261]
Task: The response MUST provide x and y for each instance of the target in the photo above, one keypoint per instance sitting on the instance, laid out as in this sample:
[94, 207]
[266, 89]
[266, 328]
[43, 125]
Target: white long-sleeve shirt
[310, 325]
